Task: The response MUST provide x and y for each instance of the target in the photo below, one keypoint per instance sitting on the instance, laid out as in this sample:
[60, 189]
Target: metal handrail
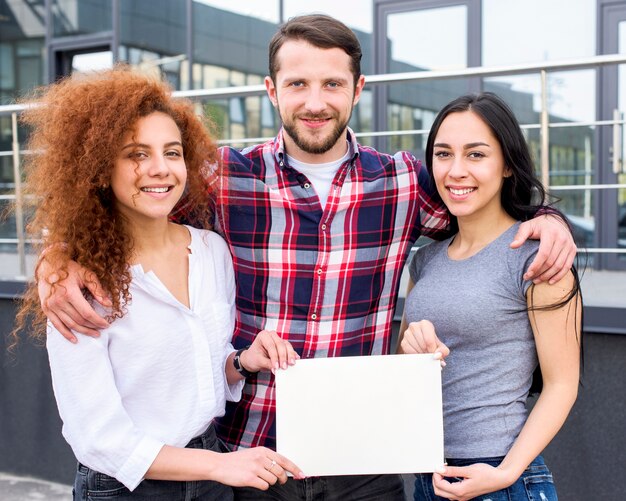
[256, 90]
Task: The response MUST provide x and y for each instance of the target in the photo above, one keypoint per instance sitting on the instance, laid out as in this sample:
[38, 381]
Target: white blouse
[154, 377]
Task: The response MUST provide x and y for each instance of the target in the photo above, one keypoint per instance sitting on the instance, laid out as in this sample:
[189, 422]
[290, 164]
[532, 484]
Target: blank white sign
[361, 415]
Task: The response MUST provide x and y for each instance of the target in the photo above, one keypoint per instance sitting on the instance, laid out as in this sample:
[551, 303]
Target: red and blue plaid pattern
[326, 280]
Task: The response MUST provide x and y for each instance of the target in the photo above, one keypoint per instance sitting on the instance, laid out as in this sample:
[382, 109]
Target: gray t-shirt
[478, 308]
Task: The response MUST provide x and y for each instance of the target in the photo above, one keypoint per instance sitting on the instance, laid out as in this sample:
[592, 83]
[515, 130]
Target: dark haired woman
[468, 301]
[137, 402]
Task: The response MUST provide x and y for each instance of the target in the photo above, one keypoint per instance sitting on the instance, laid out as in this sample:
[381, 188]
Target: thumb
[523, 233]
[455, 471]
[94, 286]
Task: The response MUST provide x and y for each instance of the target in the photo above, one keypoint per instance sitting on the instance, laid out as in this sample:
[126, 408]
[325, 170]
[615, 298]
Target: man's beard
[315, 148]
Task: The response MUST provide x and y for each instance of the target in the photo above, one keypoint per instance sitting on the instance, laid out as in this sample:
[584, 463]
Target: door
[611, 154]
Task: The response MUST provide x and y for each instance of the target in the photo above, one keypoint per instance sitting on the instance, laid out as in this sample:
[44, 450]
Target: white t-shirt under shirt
[154, 377]
[320, 175]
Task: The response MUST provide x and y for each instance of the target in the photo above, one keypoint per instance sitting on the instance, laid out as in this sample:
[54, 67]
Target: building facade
[222, 44]
[560, 64]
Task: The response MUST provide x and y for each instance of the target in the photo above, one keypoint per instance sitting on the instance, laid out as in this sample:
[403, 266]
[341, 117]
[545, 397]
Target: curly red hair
[77, 127]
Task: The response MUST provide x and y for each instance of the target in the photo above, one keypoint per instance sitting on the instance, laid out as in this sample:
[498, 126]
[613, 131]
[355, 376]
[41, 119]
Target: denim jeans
[91, 485]
[535, 484]
[339, 488]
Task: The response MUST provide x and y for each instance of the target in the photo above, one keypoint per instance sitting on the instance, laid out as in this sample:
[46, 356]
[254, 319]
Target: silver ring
[272, 465]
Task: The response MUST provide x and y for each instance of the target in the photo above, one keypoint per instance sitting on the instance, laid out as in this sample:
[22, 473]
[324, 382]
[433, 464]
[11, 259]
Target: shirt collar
[279, 146]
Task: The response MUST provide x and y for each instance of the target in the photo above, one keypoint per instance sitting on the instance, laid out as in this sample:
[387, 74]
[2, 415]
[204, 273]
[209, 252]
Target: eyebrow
[147, 146]
[465, 147]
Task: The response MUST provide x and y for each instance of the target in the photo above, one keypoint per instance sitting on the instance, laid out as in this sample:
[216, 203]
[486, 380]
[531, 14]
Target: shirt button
[323, 226]
[313, 316]
[307, 185]
[319, 271]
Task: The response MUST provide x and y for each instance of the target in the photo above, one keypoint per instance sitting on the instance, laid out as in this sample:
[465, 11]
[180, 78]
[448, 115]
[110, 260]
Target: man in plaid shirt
[319, 228]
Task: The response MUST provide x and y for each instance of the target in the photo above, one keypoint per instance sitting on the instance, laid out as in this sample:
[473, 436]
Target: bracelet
[239, 367]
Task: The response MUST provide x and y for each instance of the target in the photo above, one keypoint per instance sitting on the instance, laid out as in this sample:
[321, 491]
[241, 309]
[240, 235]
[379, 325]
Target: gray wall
[587, 457]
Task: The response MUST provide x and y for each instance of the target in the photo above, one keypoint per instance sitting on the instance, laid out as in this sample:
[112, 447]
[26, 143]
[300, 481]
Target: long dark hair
[522, 193]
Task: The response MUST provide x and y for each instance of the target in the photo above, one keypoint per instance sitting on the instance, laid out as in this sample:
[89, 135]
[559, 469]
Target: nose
[457, 168]
[315, 102]
[158, 166]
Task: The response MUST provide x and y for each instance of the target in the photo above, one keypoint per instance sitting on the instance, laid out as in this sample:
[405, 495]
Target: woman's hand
[258, 467]
[476, 479]
[420, 337]
[268, 352]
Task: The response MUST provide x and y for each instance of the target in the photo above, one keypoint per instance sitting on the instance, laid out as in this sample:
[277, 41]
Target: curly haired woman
[114, 154]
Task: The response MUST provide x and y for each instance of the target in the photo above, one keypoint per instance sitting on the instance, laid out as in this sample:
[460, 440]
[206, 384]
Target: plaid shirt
[325, 279]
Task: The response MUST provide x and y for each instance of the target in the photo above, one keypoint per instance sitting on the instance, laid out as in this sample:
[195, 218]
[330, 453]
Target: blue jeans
[339, 488]
[91, 485]
[535, 484]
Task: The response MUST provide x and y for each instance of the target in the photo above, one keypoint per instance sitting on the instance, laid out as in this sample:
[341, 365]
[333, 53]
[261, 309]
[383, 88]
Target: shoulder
[208, 240]
[375, 164]
[231, 155]
[424, 255]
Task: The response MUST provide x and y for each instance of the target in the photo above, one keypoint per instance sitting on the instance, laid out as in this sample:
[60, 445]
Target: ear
[507, 172]
[271, 91]
[360, 83]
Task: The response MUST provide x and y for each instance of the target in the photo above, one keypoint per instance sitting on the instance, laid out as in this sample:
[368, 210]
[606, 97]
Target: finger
[282, 351]
[540, 263]
[278, 470]
[271, 350]
[60, 326]
[421, 342]
[409, 343]
[292, 354]
[456, 471]
[70, 323]
[97, 291]
[289, 466]
[267, 476]
[566, 267]
[443, 349]
[524, 232]
[431, 340]
[67, 297]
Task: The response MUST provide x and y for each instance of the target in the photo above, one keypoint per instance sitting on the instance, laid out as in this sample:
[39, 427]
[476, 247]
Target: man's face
[315, 93]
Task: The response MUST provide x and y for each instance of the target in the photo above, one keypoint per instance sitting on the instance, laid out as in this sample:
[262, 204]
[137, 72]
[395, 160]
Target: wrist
[240, 365]
[509, 474]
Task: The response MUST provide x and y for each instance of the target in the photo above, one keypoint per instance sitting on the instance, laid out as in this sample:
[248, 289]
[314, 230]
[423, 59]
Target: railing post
[19, 200]
[545, 138]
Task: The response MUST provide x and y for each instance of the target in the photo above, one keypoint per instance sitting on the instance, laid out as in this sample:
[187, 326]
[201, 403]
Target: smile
[163, 189]
[463, 191]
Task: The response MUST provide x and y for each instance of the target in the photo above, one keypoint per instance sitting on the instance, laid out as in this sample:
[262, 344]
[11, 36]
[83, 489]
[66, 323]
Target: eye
[441, 154]
[173, 154]
[137, 155]
[476, 154]
[297, 83]
[333, 85]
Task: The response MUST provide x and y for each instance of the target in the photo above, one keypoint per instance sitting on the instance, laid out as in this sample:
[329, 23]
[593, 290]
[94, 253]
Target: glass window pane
[434, 48]
[528, 31]
[77, 17]
[153, 35]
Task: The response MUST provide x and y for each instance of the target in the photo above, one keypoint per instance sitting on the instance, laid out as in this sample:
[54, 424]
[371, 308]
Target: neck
[151, 238]
[476, 233]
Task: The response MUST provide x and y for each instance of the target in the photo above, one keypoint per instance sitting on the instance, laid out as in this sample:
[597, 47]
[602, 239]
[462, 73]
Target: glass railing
[564, 150]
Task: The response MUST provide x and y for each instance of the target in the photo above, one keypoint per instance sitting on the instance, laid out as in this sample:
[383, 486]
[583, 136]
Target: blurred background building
[560, 64]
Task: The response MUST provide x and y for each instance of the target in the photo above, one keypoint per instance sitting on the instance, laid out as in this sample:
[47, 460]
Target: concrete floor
[14, 488]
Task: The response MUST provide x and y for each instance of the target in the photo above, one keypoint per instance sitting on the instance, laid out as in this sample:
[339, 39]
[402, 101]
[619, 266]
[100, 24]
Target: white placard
[361, 415]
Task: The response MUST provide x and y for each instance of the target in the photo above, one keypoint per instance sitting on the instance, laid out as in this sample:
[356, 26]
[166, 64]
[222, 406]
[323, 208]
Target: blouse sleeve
[95, 423]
